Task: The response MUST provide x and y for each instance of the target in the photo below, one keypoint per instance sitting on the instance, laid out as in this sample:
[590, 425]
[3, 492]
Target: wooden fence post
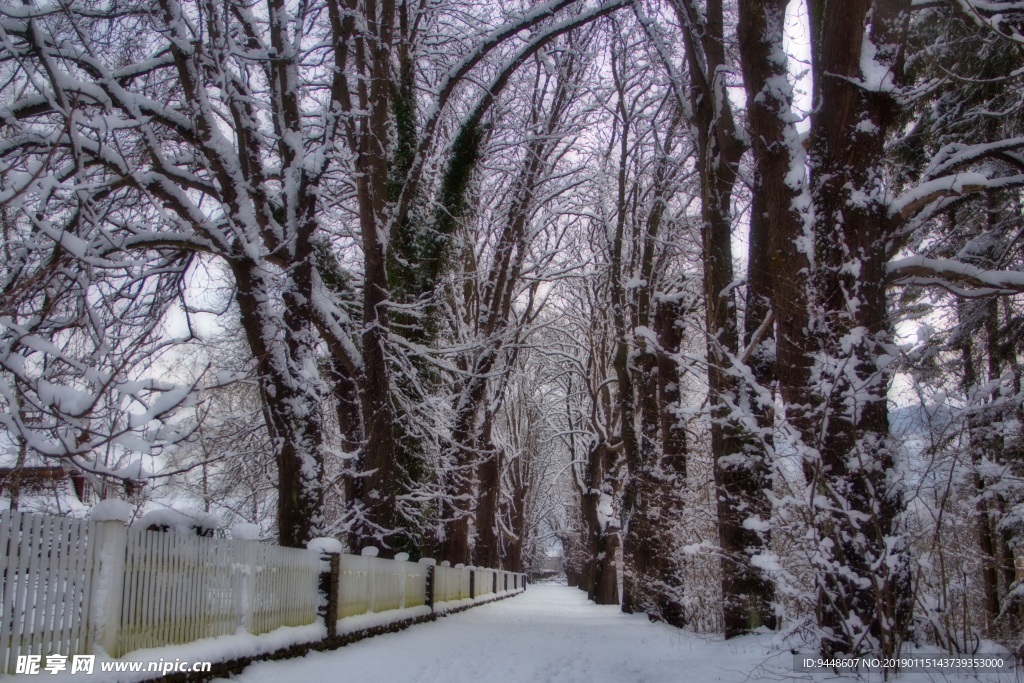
[329, 584]
[247, 538]
[110, 544]
[246, 596]
[429, 562]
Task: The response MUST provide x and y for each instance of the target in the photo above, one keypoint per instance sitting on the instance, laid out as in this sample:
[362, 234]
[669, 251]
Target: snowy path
[550, 633]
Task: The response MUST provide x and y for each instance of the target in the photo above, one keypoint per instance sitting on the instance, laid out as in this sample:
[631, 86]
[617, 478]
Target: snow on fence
[71, 585]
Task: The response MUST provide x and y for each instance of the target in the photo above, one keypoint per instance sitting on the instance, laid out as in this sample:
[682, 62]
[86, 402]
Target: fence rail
[70, 586]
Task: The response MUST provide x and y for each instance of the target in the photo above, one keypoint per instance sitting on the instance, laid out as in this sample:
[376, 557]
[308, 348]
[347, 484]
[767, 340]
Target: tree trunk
[513, 554]
[291, 396]
[634, 514]
[673, 465]
[777, 291]
[863, 589]
[600, 576]
[459, 478]
[378, 520]
[986, 540]
[486, 550]
[740, 470]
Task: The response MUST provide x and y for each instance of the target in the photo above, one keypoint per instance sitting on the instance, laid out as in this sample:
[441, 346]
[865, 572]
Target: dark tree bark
[378, 513]
[672, 467]
[779, 267]
[600, 578]
[668, 325]
[777, 288]
[515, 513]
[636, 556]
[774, 220]
[740, 471]
[864, 591]
[652, 582]
[986, 538]
[296, 433]
[487, 549]
[989, 443]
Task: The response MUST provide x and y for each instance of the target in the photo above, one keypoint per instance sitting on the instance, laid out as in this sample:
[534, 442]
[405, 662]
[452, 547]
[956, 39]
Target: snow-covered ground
[550, 633]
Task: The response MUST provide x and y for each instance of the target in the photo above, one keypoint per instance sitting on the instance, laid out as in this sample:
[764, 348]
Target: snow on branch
[958, 185]
[958, 277]
[995, 15]
[957, 155]
[930, 191]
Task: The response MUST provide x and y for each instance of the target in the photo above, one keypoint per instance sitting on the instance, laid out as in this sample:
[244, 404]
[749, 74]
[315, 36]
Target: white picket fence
[373, 584]
[451, 583]
[179, 588]
[70, 585]
[44, 595]
[483, 583]
[454, 583]
[284, 588]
